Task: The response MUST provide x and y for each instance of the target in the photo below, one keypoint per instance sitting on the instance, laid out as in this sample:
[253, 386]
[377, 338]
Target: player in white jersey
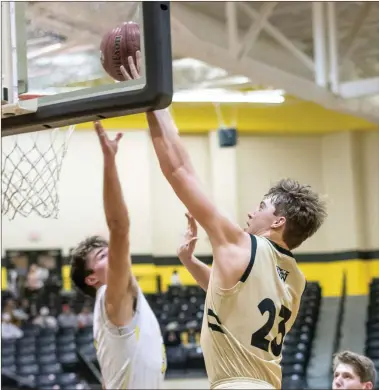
[127, 335]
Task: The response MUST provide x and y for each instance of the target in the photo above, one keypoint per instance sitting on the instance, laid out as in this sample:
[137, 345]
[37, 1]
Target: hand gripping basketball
[109, 147]
[135, 69]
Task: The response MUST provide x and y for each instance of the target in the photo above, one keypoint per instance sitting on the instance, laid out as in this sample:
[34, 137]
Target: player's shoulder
[265, 244]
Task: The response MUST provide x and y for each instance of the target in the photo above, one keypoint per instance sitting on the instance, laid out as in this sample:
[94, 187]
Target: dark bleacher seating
[180, 305]
[298, 342]
[48, 359]
[372, 325]
[185, 304]
[43, 358]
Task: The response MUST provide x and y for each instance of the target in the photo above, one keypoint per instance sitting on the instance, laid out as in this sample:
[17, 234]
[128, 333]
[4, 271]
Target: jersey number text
[258, 339]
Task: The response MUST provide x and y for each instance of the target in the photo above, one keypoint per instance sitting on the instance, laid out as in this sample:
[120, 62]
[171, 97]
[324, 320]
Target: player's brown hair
[303, 209]
[362, 365]
[79, 270]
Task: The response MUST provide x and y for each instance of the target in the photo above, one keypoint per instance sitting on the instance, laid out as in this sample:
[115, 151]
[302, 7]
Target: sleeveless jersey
[244, 327]
[133, 356]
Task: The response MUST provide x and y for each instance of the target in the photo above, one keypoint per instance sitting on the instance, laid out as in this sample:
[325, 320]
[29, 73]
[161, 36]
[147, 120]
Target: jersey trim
[281, 249]
[252, 259]
[214, 327]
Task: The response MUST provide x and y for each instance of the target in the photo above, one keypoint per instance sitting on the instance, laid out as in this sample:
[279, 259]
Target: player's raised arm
[118, 299]
[177, 168]
[200, 271]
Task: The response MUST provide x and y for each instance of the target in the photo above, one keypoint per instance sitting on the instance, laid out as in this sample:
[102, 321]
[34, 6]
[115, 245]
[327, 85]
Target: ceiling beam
[255, 29]
[359, 88]
[185, 42]
[280, 37]
[351, 40]
[214, 31]
[232, 26]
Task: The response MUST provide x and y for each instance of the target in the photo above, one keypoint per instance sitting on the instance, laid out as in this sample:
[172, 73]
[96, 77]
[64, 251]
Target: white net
[30, 172]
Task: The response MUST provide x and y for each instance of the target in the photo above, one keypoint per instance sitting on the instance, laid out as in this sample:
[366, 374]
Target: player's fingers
[133, 69]
[139, 61]
[125, 73]
[192, 224]
[100, 130]
[118, 137]
[189, 217]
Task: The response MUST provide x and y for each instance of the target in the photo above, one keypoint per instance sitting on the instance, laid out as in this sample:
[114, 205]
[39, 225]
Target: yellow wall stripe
[359, 275]
[293, 117]
[4, 280]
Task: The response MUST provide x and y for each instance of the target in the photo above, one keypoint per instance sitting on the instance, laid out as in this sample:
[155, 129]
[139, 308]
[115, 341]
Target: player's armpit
[219, 228]
[119, 294]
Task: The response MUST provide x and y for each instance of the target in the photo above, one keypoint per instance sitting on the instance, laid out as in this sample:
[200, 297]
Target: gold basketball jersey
[244, 327]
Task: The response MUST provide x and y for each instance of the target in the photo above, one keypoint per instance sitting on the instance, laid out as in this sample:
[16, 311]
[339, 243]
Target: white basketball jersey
[133, 356]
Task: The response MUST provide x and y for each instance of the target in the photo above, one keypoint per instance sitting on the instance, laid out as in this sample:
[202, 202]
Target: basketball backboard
[53, 48]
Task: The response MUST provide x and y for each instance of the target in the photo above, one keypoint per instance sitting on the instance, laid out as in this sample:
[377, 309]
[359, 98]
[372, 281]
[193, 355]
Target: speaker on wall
[227, 137]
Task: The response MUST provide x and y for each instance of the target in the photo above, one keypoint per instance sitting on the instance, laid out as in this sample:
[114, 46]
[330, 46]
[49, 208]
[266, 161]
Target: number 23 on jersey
[259, 338]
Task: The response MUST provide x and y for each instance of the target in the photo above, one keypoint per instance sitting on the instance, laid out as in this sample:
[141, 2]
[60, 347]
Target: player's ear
[368, 385]
[91, 280]
[279, 222]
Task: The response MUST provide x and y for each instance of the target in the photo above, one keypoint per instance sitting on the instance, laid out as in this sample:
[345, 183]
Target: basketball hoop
[31, 165]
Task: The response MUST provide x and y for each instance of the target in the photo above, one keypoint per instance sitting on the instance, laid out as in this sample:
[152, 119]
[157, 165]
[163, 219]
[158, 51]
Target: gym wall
[343, 165]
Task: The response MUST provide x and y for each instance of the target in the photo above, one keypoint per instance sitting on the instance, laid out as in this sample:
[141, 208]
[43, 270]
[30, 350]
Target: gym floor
[186, 383]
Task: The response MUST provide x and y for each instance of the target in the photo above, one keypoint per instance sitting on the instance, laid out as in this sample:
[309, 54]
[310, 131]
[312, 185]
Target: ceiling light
[216, 95]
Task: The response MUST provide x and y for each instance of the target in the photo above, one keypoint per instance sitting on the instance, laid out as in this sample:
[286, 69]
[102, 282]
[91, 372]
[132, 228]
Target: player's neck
[99, 285]
[274, 237]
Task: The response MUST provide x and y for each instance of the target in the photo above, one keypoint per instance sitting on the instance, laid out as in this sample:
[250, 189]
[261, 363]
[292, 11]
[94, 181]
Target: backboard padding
[154, 91]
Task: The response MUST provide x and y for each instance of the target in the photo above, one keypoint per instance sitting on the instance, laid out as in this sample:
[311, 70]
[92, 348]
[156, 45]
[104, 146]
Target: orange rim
[29, 96]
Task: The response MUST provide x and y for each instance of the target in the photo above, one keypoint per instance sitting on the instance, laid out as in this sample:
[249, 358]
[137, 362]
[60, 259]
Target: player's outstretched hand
[186, 249]
[109, 147]
[135, 68]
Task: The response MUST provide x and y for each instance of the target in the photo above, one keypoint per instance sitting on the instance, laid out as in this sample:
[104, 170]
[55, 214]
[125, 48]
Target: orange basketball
[116, 46]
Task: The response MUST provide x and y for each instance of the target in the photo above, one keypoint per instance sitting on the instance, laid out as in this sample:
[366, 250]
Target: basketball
[116, 46]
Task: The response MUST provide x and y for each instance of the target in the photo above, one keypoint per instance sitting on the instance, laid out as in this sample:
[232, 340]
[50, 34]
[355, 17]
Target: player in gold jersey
[254, 288]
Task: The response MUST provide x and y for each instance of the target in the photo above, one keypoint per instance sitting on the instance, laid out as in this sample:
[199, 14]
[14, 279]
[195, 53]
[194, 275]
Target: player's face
[346, 378]
[263, 218]
[98, 262]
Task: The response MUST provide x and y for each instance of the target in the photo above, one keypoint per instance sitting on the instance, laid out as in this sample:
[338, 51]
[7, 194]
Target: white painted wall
[328, 163]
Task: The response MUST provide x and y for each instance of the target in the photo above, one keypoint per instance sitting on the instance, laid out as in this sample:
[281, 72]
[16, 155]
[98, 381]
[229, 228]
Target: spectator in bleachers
[353, 371]
[67, 319]
[8, 329]
[85, 317]
[36, 277]
[45, 320]
[191, 326]
[25, 307]
[172, 337]
[17, 315]
[175, 279]
[12, 281]
[9, 306]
